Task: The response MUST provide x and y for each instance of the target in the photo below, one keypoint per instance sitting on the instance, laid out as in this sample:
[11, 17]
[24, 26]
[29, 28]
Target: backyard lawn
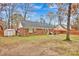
[39, 45]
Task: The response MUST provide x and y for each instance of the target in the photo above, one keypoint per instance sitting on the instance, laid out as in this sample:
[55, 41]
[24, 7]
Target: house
[27, 27]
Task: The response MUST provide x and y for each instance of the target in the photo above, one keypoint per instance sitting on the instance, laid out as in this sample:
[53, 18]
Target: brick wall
[74, 32]
[40, 31]
[25, 32]
[22, 32]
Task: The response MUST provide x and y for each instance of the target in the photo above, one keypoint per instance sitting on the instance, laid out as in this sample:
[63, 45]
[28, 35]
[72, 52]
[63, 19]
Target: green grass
[7, 40]
[37, 37]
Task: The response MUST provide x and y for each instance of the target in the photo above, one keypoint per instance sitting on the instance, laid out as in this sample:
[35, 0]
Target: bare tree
[50, 16]
[68, 23]
[8, 8]
[16, 19]
[11, 9]
[27, 9]
[42, 20]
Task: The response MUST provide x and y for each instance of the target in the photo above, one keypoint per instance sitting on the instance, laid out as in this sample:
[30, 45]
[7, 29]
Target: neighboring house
[59, 29]
[1, 28]
[1, 31]
[62, 30]
[30, 28]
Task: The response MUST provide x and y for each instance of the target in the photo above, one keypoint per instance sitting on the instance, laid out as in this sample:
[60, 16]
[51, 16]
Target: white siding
[9, 32]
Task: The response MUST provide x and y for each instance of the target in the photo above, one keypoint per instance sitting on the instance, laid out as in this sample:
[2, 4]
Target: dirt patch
[40, 47]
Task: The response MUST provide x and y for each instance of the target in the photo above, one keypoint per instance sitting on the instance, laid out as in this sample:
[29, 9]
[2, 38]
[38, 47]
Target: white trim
[20, 25]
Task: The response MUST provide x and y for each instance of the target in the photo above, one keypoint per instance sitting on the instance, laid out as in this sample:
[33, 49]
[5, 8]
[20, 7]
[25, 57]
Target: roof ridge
[28, 23]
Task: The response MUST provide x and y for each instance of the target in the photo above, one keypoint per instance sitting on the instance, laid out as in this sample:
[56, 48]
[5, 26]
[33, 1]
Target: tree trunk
[49, 22]
[9, 19]
[25, 12]
[26, 9]
[59, 19]
[68, 23]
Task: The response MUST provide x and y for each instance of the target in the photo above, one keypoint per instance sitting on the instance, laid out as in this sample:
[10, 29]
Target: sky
[37, 9]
